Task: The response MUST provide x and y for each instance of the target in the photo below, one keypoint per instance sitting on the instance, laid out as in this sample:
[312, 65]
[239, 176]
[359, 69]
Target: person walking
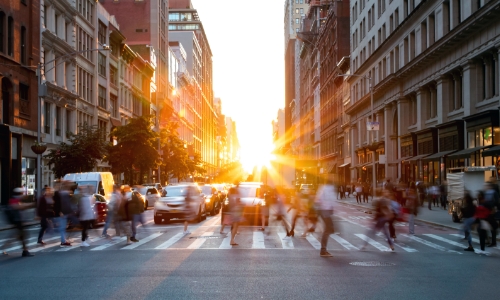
[359, 192]
[481, 215]
[236, 213]
[190, 211]
[264, 208]
[325, 202]
[45, 212]
[492, 202]
[14, 215]
[366, 191]
[86, 213]
[122, 214]
[443, 191]
[135, 209]
[63, 211]
[383, 213]
[111, 216]
[412, 204]
[468, 211]
[396, 211]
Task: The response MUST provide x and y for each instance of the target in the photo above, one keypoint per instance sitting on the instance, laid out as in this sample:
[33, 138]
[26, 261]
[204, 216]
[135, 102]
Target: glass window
[496, 135]
[487, 136]
[173, 17]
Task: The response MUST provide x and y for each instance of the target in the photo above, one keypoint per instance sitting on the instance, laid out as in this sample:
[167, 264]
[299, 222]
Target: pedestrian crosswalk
[208, 237]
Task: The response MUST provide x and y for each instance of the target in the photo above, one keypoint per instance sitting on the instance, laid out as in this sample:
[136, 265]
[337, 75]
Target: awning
[115, 122]
[466, 152]
[492, 151]
[344, 165]
[415, 158]
[437, 156]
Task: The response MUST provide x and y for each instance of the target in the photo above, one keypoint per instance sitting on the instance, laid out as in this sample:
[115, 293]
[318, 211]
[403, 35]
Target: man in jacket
[63, 210]
[135, 210]
[325, 202]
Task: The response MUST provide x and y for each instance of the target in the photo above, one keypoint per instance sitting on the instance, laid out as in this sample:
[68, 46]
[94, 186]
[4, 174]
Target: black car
[212, 199]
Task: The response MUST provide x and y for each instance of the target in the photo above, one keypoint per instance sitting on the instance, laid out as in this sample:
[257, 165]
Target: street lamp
[41, 94]
[372, 147]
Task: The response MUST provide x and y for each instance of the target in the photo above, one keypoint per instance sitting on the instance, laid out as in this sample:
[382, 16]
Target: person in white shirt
[86, 213]
[325, 202]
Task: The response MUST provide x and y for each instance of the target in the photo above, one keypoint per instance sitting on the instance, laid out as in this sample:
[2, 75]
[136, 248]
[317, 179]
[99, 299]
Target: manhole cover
[371, 264]
[205, 237]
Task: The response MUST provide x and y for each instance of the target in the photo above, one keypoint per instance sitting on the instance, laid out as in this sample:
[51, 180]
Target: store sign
[372, 126]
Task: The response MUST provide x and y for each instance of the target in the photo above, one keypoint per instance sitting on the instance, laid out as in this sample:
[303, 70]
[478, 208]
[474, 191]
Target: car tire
[157, 220]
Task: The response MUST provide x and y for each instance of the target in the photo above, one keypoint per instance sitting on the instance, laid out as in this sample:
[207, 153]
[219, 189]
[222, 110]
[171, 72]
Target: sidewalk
[436, 216]
[28, 217]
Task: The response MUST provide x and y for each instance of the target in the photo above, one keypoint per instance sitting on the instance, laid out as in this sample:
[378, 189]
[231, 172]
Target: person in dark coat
[63, 210]
[468, 211]
[45, 212]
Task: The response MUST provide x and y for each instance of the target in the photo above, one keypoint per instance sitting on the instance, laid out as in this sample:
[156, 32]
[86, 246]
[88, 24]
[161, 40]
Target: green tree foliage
[135, 151]
[176, 162]
[80, 153]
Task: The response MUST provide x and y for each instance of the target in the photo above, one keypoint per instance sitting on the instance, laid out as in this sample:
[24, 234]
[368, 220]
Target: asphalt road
[167, 265]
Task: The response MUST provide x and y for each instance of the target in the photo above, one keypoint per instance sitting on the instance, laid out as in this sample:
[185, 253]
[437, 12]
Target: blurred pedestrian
[86, 215]
[190, 211]
[264, 208]
[359, 192]
[236, 212]
[383, 213]
[492, 202]
[396, 213]
[111, 216]
[46, 213]
[435, 195]
[443, 191]
[63, 211]
[468, 211]
[135, 209]
[481, 215]
[366, 191]
[325, 202]
[13, 211]
[412, 204]
[123, 216]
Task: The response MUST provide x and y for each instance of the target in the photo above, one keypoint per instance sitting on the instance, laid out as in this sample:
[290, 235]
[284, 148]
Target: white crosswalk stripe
[30, 244]
[442, 239]
[343, 242]
[258, 240]
[429, 244]
[142, 241]
[372, 242]
[77, 244]
[45, 247]
[286, 242]
[198, 242]
[313, 241]
[170, 241]
[102, 247]
[226, 242]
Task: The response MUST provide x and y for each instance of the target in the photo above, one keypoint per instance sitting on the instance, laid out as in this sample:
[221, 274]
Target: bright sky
[247, 46]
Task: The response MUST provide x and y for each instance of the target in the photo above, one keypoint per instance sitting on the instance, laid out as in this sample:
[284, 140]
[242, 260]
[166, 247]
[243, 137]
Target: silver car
[150, 194]
[173, 205]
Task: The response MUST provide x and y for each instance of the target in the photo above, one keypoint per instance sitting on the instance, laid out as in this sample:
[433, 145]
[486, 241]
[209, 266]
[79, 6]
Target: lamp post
[372, 147]
[41, 93]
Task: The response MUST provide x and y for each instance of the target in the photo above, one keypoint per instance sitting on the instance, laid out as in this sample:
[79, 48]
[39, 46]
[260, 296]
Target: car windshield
[82, 183]
[206, 189]
[249, 191]
[177, 191]
[142, 190]
[219, 187]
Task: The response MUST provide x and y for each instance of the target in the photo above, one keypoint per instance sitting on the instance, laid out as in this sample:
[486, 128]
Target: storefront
[407, 148]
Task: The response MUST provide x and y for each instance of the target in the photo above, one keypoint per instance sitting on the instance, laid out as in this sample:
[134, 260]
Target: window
[84, 42]
[296, 20]
[102, 64]
[102, 125]
[86, 8]
[10, 37]
[296, 10]
[24, 103]
[2, 29]
[101, 33]
[113, 99]
[113, 75]
[58, 121]
[301, 11]
[84, 86]
[47, 118]
[102, 97]
[23, 45]
[68, 122]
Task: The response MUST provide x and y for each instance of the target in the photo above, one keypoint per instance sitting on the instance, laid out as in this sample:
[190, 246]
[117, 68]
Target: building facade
[19, 58]
[433, 69]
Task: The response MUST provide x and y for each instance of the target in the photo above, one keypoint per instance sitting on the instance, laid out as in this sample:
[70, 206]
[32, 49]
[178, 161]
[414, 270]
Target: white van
[101, 181]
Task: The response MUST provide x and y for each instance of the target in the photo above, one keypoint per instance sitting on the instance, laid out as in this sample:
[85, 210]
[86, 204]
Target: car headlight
[207, 199]
[263, 203]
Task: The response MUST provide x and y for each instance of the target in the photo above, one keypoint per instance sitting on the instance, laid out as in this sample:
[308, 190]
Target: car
[252, 197]
[150, 194]
[222, 190]
[212, 199]
[173, 205]
[306, 189]
[100, 207]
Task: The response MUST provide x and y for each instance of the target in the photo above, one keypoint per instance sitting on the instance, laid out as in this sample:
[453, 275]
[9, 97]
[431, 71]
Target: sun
[255, 156]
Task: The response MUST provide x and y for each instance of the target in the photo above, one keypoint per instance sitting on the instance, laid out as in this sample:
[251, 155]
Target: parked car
[252, 197]
[212, 199]
[173, 205]
[157, 185]
[151, 195]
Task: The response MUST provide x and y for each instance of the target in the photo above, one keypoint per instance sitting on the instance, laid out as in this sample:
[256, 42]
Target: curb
[416, 219]
[25, 225]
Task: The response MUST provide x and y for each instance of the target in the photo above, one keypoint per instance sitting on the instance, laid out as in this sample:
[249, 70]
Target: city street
[164, 264]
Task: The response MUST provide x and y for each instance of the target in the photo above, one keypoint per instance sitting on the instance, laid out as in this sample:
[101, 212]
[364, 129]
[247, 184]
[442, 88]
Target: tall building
[20, 49]
[150, 31]
[432, 68]
[183, 18]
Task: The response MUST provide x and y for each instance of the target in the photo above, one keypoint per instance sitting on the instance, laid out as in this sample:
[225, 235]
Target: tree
[80, 153]
[135, 151]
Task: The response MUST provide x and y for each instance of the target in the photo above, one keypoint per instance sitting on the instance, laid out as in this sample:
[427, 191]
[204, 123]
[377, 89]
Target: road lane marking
[399, 244]
[46, 246]
[313, 241]
[199, 242]
[226, 242]
[286, 243]
[343, 242]
[429, 244]
[30, 244]
[171, 241]
[372, 242]
[444, 240]
[258, 240]
[142, 241]
[102, 247]
[77, 245]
